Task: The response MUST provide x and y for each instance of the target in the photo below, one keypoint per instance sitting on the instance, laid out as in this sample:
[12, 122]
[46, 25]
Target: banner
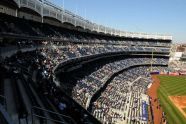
[156, 72]
[144, 111]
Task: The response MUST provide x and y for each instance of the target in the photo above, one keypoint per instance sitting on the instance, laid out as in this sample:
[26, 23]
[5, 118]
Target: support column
[42, 19]
[19, 3]
[42, 6]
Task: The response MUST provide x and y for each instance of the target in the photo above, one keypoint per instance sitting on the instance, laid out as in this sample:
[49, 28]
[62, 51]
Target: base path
[152, 92]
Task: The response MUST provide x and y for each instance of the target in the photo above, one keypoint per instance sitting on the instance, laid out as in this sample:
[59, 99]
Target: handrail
[52, 112]
[61, 122]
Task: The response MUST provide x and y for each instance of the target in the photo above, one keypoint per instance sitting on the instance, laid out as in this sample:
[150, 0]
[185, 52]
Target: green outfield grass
[172, 86]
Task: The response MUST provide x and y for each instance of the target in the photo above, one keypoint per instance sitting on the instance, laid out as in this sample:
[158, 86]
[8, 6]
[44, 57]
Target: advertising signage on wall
[144, 111]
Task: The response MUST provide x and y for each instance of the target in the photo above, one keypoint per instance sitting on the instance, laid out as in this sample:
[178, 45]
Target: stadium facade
[46, 9]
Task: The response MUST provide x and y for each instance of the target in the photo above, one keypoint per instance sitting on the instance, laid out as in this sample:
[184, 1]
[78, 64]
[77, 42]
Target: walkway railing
[57, 121]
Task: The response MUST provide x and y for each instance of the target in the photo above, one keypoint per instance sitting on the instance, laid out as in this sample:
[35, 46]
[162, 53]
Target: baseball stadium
[58, 67]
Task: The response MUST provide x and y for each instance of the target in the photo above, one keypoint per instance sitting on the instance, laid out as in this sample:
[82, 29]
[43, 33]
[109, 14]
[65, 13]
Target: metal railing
[62, 117]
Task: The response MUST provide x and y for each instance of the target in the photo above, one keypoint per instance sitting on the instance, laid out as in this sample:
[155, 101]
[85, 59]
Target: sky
[149, 16]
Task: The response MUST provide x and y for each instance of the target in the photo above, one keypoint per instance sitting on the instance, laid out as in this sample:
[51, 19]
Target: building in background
[178, 57]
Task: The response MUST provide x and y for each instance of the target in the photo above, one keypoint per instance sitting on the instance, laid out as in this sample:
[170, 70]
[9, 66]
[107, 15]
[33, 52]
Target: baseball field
[172, 95]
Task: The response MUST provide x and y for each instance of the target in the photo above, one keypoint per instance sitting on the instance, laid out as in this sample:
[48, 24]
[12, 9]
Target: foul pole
[152, 59]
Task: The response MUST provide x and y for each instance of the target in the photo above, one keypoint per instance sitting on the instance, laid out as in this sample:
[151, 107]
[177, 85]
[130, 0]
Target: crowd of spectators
[88, 86]
[72, 50]
[121, 102]
[41, 62]
[37, 60]
[37, 66]
[46, 58]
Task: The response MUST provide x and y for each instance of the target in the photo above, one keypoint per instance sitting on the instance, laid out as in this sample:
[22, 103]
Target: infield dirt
[179, 102]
